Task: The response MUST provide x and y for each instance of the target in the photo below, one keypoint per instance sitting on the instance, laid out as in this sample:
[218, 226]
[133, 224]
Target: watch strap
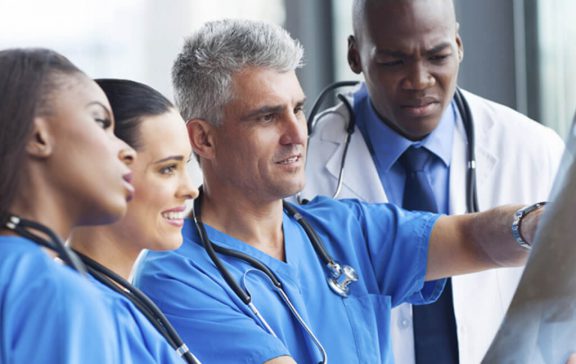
[517, 223]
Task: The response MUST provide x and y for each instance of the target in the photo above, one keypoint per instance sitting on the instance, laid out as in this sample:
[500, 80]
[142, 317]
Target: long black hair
[130, 102]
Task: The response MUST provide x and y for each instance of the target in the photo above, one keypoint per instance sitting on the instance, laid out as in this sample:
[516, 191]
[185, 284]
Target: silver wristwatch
[517, 223]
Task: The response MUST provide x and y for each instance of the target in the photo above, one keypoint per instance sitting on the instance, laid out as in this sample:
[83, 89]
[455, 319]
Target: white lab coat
[517, 160]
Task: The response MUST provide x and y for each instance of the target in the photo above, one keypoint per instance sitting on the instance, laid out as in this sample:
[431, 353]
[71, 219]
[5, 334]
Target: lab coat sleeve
[214, 327]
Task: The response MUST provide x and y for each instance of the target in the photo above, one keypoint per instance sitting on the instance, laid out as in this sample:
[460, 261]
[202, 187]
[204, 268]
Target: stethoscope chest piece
[340, 279]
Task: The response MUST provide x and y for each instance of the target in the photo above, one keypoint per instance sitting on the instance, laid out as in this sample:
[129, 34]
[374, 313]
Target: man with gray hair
[260, 280]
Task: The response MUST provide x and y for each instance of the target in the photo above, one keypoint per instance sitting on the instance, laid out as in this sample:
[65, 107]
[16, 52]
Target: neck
[43, 202]
[46, 214]
[255, 222]
[104, 246]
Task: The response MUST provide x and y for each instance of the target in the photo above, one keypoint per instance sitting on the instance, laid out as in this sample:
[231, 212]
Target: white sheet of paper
[540, 324]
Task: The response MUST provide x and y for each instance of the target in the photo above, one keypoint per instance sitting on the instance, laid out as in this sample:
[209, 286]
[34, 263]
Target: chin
[292, 190]
[111, 214]
[168, 243]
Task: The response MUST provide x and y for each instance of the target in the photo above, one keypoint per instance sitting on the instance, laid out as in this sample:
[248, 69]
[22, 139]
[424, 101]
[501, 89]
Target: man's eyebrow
[261, 111]
[400, 54]
[439, 47]
[390, 53]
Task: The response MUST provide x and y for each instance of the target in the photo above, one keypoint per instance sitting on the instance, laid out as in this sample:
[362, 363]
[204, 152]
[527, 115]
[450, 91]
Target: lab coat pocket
[369, 319]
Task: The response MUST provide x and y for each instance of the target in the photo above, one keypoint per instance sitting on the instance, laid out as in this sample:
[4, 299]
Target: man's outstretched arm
[469, 243]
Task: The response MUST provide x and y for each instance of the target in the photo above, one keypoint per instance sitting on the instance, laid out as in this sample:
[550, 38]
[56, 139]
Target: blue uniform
[140, 342]
[387, 246]
[49, 313]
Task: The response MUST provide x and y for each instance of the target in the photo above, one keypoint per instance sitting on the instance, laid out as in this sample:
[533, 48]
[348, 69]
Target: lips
[175, 216]
[127, 178]
[420, 102]
[290, 160]
[420, 107]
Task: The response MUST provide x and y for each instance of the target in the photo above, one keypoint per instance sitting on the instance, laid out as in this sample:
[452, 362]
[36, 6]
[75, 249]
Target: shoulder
[45, 296]
[488, 114]
[30, 267]
[498, 126]
[360, 217]
[162, 273]
[330, 123]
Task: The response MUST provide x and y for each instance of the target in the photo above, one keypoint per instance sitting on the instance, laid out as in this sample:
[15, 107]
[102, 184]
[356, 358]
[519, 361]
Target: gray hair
[202, 73]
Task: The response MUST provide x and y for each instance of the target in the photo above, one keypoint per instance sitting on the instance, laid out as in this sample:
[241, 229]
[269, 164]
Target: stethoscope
[339, 277]
[467, 121]
[143, 303]
[83, 264]
[26, 228]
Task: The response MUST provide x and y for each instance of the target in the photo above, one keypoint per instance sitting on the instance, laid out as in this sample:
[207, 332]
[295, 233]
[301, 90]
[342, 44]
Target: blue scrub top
[387, 246]
[48, 312]
[139, 341]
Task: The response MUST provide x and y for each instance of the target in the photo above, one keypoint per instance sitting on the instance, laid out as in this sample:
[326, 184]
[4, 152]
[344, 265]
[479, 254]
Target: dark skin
[409, 53]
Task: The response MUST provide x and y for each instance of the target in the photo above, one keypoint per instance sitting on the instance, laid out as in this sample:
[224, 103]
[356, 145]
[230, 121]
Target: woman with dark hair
[150, 124]
[60, 167]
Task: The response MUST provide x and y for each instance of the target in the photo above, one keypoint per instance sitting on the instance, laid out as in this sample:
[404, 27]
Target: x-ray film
[540, 324]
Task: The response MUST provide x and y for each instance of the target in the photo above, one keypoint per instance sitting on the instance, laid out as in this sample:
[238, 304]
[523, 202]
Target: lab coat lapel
[360, 175]
[486, 160]
[458, 171]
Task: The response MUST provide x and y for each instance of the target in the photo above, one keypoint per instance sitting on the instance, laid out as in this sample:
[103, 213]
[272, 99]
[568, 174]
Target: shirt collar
[388, 145]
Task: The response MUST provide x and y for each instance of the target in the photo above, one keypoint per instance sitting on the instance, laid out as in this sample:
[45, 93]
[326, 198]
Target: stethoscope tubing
[280, 291]
[144, 304]
[242, 292]
[467, 120]
[84, 264]
[26, 228]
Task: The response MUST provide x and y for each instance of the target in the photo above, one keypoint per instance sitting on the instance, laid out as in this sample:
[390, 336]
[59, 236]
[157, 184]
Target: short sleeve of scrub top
[49, 313]
[386, 245]
[391, 241]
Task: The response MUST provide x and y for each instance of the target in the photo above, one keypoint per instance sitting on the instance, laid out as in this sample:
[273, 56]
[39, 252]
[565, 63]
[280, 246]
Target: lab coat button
[404, 323]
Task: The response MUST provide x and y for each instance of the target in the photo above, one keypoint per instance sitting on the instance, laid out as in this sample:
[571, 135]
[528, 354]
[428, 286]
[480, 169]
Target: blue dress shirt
[386, 146]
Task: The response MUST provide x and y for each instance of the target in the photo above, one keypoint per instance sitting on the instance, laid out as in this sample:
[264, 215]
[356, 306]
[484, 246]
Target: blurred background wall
[519, 52]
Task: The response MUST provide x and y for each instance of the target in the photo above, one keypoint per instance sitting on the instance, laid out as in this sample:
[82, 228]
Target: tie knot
[414, 159]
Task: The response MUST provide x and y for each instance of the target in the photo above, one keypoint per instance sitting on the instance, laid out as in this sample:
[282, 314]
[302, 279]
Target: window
[557, 62]
[134, 39]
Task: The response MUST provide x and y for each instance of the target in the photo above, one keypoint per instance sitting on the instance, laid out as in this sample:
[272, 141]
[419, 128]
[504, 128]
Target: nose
[187, 189]
[418, 77]
[126, 153]
[294, 129]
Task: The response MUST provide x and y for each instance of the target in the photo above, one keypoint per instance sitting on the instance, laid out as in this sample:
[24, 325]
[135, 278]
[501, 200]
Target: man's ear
[40, 143]
[201, 135]
[354, 55]
[459, 44]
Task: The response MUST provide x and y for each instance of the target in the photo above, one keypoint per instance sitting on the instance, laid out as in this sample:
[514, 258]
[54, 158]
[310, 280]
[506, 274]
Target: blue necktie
[435, 339]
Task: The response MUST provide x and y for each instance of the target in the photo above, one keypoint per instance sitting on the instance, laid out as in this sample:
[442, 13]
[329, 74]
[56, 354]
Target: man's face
[409, 53]
[261, 146]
